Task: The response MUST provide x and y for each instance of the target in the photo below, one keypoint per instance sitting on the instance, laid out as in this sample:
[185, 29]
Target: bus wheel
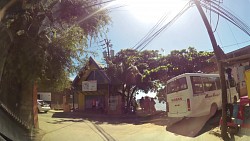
[213, 109]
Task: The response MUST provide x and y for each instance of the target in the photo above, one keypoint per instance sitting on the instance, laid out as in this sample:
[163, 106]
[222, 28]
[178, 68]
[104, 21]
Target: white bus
[194, 94]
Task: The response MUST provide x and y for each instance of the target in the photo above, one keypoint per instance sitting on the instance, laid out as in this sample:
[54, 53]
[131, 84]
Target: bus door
[198, 94]
[177, 94]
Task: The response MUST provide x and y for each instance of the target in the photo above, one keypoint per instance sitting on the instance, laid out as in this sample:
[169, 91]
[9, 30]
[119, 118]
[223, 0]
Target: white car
[42, 106]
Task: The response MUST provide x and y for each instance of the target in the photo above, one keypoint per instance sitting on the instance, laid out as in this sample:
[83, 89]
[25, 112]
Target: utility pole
[219, 56]
[107, 56]
[109, 53]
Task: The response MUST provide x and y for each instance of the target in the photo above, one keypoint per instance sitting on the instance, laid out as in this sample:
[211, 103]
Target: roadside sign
[89, 85]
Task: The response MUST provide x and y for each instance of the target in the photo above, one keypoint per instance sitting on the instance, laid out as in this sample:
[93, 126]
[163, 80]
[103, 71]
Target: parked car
[42, 106]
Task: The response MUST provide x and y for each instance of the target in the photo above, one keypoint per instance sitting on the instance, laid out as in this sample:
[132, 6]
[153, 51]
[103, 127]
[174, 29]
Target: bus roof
[192, 74]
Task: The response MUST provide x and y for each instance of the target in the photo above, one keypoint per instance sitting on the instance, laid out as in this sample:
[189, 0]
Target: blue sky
[128, 26]
[133, 20]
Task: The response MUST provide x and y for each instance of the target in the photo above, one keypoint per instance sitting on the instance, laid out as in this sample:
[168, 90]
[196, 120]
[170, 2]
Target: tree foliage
[148, 70]
[135, 71]
[186, 61]
[49, 36]
[40, 42]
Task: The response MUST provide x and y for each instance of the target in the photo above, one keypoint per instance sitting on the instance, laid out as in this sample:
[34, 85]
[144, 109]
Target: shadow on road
[159, 118]
[195, 126]
[65, 120]
[212, 123]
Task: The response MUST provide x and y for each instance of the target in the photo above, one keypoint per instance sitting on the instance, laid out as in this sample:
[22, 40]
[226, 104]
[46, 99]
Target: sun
[153, 10]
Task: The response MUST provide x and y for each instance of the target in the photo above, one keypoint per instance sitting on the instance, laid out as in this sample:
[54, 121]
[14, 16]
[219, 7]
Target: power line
[232, 34]
[148, 38]
[227, 46]
[160, 21]
[236, 44]
[228, 16]
[146, 42]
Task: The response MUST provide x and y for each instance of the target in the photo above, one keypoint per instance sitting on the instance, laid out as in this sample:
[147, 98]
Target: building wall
[247, 74]
[81, 102]
[238, 73]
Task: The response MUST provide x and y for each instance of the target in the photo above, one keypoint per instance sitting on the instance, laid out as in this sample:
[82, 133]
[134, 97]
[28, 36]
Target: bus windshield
[177, 85]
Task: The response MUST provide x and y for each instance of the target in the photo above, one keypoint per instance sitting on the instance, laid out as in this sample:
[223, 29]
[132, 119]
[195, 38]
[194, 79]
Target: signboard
[89, 85]
[46, 96]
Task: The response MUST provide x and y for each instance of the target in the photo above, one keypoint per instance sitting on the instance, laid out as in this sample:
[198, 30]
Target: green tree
[186, 61]
[132, 71]
[50, 35]
[47, 38]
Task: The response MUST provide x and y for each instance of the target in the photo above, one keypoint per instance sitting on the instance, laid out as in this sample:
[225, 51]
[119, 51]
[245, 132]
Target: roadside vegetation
[40, 43]
[148, 70]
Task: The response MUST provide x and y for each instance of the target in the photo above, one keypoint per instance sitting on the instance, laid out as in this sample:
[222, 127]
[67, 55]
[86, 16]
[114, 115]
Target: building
[92, 87]
[238, 62]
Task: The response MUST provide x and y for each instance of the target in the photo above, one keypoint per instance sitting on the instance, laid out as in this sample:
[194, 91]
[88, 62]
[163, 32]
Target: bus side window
[177, 85]
[209, 83]
[213, 84]
[217, 81]
[171, 87]
[183, 83]
[197, 84]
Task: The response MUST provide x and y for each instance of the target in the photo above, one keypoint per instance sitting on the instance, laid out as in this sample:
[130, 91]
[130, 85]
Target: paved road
[64, 129]
[102, 129]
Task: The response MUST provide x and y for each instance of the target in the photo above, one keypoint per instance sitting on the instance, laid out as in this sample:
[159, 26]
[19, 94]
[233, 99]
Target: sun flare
[153, 10]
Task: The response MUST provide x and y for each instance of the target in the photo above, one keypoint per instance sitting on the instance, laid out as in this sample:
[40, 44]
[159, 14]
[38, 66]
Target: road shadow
[158, 118]
[60, 121]
[211, 124]
[195, 126]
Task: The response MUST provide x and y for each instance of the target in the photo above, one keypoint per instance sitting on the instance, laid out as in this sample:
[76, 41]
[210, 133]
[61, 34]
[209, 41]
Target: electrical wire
[165, 26]
[147, 39]
[226, 46]
[214, 7]
[160, 21]
[235, 44]
[228, 16]
[217, 23]
[231, 19]
[232, 34]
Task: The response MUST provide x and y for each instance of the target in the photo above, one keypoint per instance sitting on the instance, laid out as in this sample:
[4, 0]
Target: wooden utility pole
[219, 56]
[108, 46]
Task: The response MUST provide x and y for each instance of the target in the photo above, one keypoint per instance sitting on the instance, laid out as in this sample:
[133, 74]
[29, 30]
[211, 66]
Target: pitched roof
[85, 68]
